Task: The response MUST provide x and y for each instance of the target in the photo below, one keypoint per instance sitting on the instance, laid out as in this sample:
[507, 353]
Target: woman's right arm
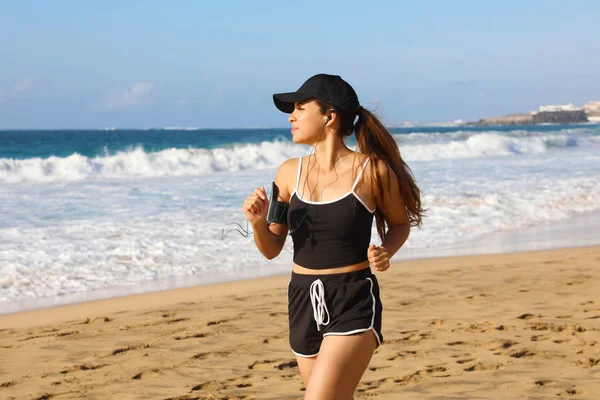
[269, 240]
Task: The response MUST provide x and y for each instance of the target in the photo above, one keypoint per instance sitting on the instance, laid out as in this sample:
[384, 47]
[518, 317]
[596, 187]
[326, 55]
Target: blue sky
[78, 64]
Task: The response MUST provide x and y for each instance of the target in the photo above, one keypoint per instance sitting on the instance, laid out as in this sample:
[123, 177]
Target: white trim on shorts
[303, 355]
[361, 330]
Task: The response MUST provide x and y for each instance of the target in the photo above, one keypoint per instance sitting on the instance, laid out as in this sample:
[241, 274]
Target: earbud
[328, 118]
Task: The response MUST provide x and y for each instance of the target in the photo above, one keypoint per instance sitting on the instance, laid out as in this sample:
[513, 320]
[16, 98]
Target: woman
[333, 297]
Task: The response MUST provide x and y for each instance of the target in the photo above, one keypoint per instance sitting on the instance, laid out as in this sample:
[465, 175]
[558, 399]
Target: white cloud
[23, 86]
[136, 96]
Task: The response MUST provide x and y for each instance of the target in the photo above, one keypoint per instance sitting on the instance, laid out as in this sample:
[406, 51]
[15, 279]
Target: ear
[330, 117]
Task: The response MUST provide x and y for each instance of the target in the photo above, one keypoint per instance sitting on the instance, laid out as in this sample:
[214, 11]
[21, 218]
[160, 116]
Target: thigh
[305, 365]
[341, 363]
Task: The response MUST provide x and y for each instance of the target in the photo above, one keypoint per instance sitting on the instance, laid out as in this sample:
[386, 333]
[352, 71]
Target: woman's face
[307, 122]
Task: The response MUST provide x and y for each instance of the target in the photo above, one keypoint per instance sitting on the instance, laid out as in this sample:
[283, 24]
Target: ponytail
[377, 143]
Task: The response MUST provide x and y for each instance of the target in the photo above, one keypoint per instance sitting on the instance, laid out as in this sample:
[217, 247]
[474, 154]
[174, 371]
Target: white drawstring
[317, 298]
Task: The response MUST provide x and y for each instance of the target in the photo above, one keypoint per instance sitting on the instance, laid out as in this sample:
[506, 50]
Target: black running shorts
[337, 304]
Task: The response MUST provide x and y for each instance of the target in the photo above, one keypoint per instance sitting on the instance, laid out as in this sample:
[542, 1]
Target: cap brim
[285, 101]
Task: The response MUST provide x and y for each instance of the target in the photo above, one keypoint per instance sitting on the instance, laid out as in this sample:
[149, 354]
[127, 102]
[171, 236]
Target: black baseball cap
[332, 89]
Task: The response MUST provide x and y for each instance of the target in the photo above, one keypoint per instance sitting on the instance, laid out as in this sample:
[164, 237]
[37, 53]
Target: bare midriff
[338, 270]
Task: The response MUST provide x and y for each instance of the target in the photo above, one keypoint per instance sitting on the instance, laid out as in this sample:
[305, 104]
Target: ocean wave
[137, 162]
[488, 144]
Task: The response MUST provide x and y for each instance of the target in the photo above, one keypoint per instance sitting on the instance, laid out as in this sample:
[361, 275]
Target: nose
[291, 118]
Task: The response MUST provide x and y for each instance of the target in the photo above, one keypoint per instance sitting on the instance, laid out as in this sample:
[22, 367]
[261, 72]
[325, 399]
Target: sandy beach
[508, 326]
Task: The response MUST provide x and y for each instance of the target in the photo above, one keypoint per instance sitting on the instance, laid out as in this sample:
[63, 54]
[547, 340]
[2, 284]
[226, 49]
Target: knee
[320, 391]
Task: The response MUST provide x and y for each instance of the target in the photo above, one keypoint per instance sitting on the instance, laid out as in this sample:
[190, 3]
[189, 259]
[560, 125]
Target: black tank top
[330, 234]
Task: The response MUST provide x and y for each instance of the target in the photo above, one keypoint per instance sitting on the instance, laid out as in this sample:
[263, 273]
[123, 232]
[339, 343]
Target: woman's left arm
[392, 206]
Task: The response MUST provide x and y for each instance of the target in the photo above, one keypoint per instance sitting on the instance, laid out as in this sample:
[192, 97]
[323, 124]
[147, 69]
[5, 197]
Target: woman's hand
[256, 205]
[378, 257]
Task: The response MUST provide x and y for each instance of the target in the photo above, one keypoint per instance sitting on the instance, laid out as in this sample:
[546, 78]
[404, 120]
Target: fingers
[257, 202]
[261, 192]
[378, 257]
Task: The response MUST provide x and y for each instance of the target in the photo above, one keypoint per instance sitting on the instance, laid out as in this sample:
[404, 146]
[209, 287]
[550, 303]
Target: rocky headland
[542, 117]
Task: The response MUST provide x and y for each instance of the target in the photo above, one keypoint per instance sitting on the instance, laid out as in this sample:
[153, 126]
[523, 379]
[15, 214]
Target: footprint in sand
[238, 382]
[477, 296]
[378, 368]
[83, 367]
[588, 362]
[222, 321]
[574, 283]
[189, 398]
[174, 321]
[129, 348]
[482, 367]
[504, 344]
[545, 383]
[275, 314]
[457, 343]
[432, 371]
[560, 341]
[529, 316]
[62, 334]
[477, 327]
[272, 339]
[208, 385]
[97, 319]
[45, 397]
[571, 392]
[548, 326]
[279, 364]
[586, 310]
[437, 322]
[404, 354]
[194, 336]
[522, 353]
[540, 338]
[412, 338]
[553, 262]
[146, 374]
[204, 356]
[505, 328]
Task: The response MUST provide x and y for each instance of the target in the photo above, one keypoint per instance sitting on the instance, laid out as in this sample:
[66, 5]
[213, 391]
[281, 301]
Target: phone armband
[278, 210]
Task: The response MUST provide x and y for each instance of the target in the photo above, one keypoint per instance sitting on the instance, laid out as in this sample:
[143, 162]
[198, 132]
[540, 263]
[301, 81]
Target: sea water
[95, 213]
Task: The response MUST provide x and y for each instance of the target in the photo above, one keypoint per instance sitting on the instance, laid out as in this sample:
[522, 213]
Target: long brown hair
[377, 143]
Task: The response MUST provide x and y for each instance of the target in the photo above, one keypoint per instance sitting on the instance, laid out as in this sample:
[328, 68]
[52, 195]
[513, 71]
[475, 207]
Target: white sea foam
[139, 163]
[66, 237]
[136, 162]
[78, 224]
[181, 128]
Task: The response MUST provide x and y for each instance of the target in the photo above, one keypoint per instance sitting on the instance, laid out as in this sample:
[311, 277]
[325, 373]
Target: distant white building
[554, 108]
[592, 106]
[592, 109]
